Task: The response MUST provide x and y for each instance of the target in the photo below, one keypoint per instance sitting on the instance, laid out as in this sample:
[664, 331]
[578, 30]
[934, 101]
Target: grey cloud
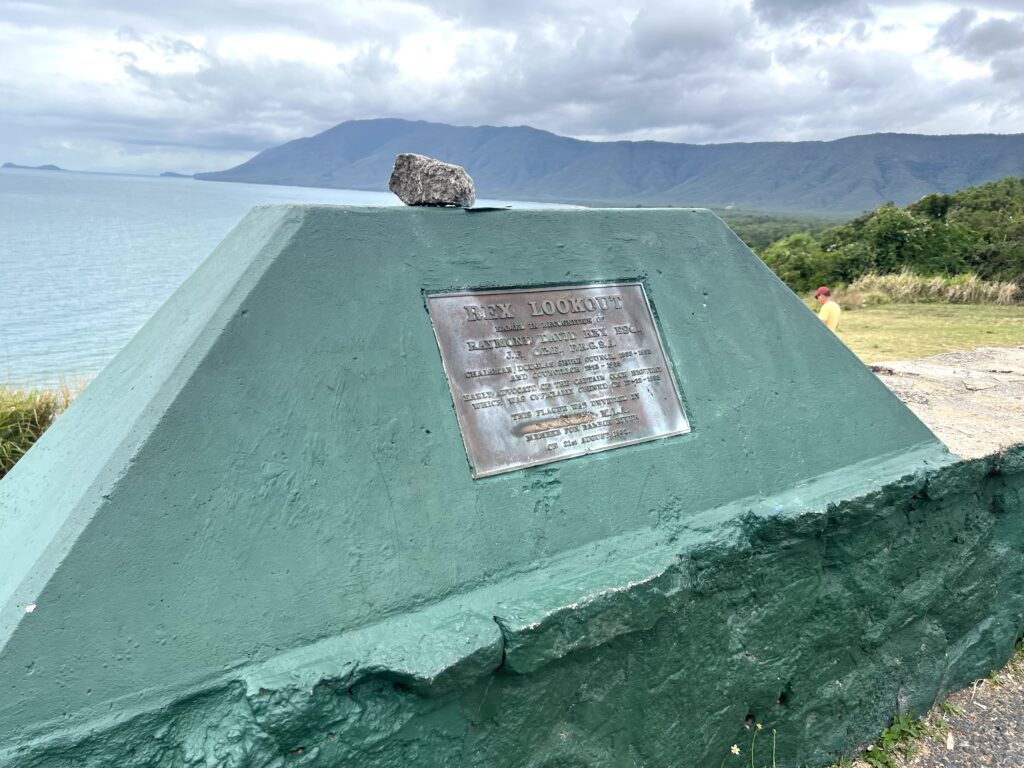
[867, 74]
[998, 35]
[169, 46]
[955, 27]
[648, 75]
[859, 32]
[964, 35]
[131, 19]
[787, 12]
[1009, 69]
[128, 35]
[266, 103]
[522, 14]
[371, 65]
[658, 29]
[792, 53]
[998, 5]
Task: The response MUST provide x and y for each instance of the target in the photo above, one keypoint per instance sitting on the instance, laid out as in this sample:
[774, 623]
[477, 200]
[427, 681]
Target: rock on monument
[419, 180]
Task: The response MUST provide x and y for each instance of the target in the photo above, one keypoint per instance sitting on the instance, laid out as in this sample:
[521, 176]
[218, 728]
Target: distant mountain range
[843, 176]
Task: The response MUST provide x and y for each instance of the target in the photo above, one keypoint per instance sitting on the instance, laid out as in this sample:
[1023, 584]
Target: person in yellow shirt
[830, 311]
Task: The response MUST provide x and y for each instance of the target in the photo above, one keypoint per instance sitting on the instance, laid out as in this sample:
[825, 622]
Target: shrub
[978, 230]
[24, 416]
[799, 262]
[890, 239]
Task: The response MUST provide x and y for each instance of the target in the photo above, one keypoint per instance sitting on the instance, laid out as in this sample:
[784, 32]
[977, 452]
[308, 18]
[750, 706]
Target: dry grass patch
[24, 415]
[908, 288]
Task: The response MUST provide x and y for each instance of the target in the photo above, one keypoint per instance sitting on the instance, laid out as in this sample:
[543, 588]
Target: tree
[799, 262]
[979, 230]
[891, 239]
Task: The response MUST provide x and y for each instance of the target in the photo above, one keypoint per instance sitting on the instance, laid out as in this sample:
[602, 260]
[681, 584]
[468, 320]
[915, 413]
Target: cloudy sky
[202, 85]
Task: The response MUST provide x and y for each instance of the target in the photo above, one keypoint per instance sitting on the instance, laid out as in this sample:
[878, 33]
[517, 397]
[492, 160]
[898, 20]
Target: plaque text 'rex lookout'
[544, 374]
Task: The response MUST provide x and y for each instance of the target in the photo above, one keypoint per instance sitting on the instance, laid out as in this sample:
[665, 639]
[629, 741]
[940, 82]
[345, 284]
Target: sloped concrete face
[255, 540]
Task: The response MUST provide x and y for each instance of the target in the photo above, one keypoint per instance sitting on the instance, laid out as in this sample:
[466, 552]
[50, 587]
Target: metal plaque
[544, 374]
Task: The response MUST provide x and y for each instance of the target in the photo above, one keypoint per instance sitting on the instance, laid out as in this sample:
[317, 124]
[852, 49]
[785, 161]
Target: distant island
[51, 167]
[845, 176]
[47, 167]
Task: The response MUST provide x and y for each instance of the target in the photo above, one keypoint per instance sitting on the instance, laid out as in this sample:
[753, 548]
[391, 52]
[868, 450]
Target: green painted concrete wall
[255, 540]
[818, 621]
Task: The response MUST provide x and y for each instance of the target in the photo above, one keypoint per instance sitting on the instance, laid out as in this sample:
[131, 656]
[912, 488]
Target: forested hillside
[849, 175]
[978, 231]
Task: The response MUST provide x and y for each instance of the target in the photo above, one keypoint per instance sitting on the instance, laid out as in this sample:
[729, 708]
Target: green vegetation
[799, 261]
[896, 746]
[950, 708]
[898, 742]
[978, 231]
[759, 230]
[24, 416]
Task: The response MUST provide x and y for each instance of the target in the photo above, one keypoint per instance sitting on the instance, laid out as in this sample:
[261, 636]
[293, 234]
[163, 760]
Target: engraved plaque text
[539, 375]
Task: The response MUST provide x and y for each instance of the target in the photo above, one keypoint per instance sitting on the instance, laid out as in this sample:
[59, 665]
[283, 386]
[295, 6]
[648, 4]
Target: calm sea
[85, 259]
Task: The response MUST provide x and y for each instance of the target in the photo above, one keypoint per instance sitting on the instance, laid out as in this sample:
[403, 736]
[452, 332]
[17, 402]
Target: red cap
[823, 289]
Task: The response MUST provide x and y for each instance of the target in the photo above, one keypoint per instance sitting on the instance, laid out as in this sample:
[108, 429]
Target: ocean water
[86, 259]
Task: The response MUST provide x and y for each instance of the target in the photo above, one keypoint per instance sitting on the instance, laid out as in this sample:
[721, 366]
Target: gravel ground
[974, 402]
[986, 728]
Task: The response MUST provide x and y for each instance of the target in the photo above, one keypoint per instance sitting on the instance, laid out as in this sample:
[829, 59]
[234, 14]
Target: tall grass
[908, 288]
[24, 415]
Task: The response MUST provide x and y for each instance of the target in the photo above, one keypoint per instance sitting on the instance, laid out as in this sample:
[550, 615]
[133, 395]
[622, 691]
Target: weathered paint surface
[255, 540]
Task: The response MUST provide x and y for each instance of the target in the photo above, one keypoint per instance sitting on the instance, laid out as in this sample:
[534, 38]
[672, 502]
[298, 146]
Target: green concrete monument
[429, 487]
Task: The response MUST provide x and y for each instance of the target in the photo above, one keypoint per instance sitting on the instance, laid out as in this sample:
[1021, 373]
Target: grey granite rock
[419, 180]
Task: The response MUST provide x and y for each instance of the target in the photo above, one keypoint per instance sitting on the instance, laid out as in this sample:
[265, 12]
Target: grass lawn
[909, 331]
